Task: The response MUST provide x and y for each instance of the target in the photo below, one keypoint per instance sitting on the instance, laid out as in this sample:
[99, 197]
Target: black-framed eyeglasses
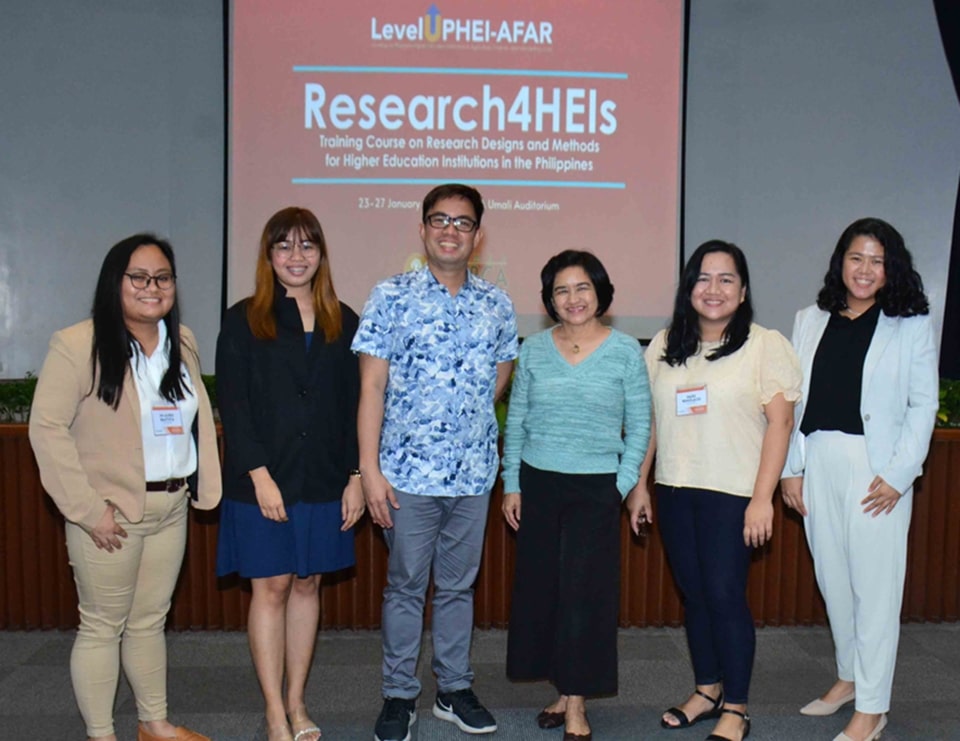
[460, 223]
[164, 281]
[286, 247]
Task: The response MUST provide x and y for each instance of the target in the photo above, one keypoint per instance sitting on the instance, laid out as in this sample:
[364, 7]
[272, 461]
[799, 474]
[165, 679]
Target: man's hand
[380, 498]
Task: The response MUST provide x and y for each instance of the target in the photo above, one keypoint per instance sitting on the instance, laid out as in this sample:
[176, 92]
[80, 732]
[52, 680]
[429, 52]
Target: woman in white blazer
[870, 401]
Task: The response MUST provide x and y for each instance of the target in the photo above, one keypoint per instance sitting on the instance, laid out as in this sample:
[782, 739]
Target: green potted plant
[16, 395]
[949, 412]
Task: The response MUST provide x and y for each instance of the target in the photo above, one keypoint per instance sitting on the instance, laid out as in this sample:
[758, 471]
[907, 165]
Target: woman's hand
[792, 490]
[352, 506]
[268, 495]
[379, 497]
[511, 509]
[758, 523]
[639, 507]
[107, 533]
[881, 498]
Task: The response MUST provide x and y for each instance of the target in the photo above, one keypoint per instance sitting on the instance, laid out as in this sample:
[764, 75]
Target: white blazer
[898, 400]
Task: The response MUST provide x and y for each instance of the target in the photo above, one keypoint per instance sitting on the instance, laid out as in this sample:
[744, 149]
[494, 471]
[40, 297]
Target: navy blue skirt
[309, 542]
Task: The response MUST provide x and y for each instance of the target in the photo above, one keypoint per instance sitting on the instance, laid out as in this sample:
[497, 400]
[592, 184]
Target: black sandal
[681, 716]
[746, 726]
[550, 719]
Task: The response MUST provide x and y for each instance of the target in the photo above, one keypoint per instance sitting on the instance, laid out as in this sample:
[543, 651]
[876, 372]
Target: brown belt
[170, 485]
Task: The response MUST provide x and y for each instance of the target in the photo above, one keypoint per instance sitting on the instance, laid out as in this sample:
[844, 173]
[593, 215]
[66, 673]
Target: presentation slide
[565, 116]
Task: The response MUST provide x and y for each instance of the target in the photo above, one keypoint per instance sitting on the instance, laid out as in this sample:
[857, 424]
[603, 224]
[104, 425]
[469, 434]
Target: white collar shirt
[165, 455]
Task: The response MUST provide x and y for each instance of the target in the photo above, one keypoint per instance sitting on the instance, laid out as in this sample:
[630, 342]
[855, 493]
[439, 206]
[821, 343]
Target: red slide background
[294, 141]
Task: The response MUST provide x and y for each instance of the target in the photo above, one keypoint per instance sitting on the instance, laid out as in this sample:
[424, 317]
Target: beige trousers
[124, 598]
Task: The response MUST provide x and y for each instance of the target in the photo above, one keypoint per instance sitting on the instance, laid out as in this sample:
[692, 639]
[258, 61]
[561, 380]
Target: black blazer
[285, 408]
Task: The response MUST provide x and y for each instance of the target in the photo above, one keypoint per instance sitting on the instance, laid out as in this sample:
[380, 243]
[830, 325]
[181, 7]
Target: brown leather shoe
[182, 734]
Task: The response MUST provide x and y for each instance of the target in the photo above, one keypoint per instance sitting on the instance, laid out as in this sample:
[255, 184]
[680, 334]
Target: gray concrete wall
[802, 116]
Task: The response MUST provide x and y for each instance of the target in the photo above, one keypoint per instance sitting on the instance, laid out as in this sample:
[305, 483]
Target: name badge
[167, 421]
[692, 400]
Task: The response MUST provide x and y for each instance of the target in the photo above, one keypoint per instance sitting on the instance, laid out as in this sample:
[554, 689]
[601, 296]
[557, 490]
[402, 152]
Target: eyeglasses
[286, 248]
[460, 223]
[164, 281]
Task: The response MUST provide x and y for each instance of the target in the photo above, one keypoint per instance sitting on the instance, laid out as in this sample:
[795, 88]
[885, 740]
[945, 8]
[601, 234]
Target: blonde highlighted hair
[326, 305]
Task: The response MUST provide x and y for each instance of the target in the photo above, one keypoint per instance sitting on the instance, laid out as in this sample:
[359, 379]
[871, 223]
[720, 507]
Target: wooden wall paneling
[37, 590]
[914, 586]
[786, 592]
[948, 481]
[663, 608]
[935, 553]
[495, 580]
[11, 550]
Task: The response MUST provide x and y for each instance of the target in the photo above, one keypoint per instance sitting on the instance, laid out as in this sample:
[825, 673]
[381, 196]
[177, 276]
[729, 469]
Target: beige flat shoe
[821, 707]
[874, 734]
[303, 728]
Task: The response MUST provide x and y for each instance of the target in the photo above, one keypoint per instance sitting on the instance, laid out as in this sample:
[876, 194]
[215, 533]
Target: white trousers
[860, 562]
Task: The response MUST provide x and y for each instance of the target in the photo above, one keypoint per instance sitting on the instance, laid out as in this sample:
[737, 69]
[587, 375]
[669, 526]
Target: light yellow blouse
[719, 448]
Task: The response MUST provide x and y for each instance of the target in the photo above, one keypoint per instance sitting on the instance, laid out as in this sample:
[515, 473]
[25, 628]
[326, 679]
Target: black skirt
[566, 590]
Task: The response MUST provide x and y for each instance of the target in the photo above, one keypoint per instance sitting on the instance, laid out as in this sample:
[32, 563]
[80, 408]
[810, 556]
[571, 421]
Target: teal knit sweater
[593, 417]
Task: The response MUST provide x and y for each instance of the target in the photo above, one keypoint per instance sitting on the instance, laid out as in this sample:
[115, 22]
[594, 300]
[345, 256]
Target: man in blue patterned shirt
[436, 349]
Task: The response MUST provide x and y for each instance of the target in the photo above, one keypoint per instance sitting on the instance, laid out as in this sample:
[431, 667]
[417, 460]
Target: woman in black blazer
[287, 387]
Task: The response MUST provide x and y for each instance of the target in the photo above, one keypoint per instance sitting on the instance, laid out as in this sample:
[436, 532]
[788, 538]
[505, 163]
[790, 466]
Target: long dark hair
[112, 341]
[683, 337]
[901, 295]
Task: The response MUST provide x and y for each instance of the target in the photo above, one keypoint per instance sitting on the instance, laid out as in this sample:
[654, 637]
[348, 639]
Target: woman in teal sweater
[577, 430]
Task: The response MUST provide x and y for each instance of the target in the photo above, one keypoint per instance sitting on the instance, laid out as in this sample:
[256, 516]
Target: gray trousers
[447, 534]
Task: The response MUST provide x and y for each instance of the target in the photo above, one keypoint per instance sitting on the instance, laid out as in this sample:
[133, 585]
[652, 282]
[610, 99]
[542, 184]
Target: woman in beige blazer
[123, 433]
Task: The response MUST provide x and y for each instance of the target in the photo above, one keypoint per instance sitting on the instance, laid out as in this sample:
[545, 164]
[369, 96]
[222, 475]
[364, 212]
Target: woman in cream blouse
[723, 396]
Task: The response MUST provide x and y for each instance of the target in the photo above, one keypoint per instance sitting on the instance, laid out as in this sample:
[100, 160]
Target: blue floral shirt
[439, 433]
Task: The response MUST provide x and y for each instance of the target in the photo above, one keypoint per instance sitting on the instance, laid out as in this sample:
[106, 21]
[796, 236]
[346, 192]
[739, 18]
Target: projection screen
[566, 116]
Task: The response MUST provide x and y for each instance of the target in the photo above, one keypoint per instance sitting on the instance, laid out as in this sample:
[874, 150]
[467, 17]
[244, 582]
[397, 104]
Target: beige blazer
[88, 452]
